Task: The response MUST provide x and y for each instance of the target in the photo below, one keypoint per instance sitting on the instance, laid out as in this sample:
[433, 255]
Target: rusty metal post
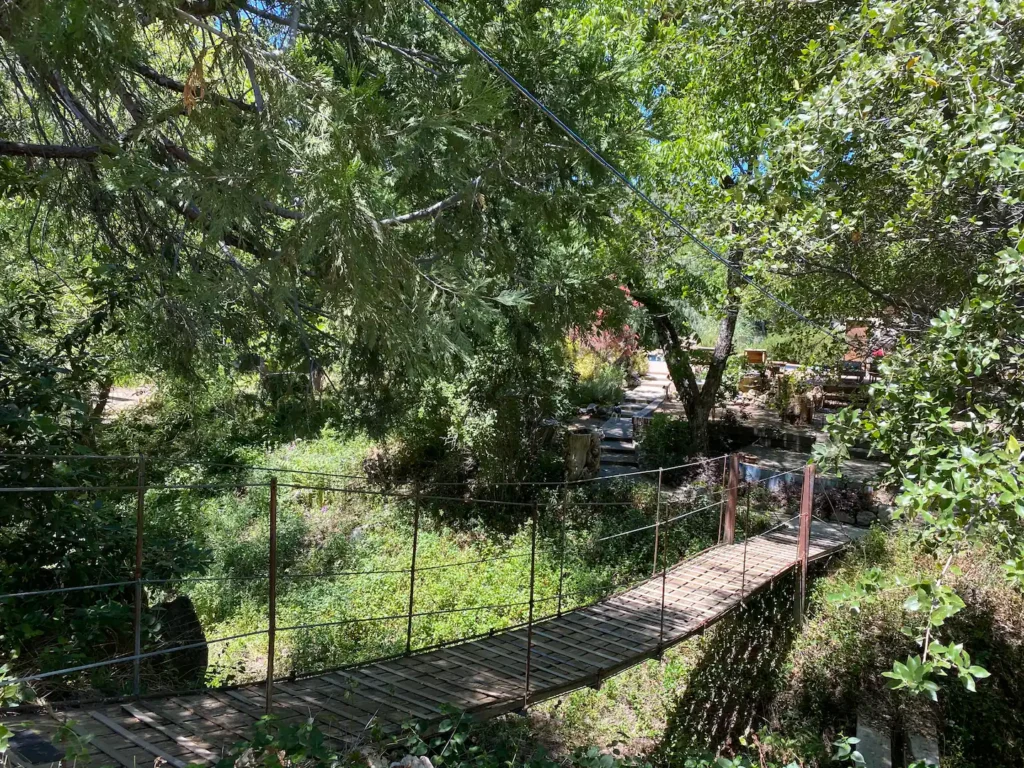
[664, 579]
[804, 540]
[272, 597]
[140, 503]
[529, 621]
[657, 525]
[412, 566]
[561, 557]
[746, 536]
[731, 496]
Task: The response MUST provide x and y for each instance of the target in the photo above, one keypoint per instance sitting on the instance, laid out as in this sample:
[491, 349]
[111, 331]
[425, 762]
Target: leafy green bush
[839, 658]
[485, 421]
[667, 441]
[227, 421]
[946, 412]
[601, 383]
[806, 346]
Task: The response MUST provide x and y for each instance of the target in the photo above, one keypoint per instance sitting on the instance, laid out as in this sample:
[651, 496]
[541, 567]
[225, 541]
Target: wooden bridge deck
[487, 676]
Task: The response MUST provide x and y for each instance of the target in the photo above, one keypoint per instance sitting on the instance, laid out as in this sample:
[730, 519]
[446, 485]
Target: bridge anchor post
[804, 541]
[732, 492]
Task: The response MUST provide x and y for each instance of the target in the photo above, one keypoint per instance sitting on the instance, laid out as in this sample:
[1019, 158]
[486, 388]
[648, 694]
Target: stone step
[875, 744]
[612, 470]
[624, 459]
[618, 428]
[618, 446]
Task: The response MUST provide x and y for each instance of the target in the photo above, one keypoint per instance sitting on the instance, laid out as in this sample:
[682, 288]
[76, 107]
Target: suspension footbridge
[488, 675]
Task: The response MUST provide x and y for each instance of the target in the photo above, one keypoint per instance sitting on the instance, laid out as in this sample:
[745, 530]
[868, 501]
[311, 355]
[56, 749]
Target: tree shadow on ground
[736, 679]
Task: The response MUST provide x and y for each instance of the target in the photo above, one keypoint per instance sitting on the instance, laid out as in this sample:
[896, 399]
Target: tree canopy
[303, 185]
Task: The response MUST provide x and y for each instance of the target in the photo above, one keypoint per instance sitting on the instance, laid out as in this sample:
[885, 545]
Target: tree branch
[52, 151]
[171, 84]
[432, 210]
[415, 55]
[206, 7]
[274, 17]
[250, 66]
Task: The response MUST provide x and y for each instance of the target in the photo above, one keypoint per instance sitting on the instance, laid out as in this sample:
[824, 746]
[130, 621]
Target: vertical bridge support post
[272, 598]
[804, 540]
[731, 498]
[529, 621]
[664, 570]
[561, 553]
[140, 503]
[412, 567]
[657, 525]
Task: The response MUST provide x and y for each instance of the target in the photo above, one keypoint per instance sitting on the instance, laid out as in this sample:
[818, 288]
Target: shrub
[667, 442]
[597, 381]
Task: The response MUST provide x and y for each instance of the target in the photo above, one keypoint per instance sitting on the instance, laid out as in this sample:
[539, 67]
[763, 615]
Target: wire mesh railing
[580, 549]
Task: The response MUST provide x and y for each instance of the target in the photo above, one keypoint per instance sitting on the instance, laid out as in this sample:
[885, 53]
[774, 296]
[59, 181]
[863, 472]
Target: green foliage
[785, 389]
[10, 696]
[933, 602]
[596, 381]
[881, 178]
[486, 421]
[945, 412]
[839, 659]
[274, 745]
[244, 197]
[667, 442]
[805, 346]
[459, 740]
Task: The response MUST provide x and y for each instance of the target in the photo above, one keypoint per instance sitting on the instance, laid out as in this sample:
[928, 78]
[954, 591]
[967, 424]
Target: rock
[412, 761]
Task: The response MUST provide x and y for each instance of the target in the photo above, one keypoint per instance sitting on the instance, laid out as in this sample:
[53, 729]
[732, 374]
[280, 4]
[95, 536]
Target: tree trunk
[99, 404]
[698, 399]
[698, 417]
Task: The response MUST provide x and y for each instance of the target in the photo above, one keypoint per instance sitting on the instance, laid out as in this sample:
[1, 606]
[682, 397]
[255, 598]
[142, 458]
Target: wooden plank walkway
[487, 676]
